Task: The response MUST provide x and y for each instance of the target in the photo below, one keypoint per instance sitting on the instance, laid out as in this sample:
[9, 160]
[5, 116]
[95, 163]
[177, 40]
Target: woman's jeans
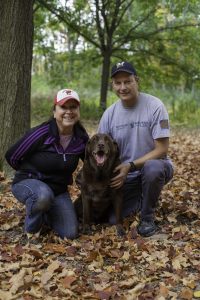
[42, 207]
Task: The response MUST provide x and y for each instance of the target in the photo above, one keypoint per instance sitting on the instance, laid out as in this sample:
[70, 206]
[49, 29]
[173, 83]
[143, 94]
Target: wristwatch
[133, 166]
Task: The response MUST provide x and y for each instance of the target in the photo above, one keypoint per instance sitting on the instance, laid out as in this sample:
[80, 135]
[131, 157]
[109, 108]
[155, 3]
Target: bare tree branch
[62, 18]
[103, 13]
[127, 36]
[146, 36]
[36, 8]
[113, 23]
[123, 12]
[99, 28]
[164, 58]
[165, 28]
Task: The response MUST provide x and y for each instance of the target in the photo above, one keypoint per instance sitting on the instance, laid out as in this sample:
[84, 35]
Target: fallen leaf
[18, 250]
[186, 294]
[104, 295]
[17, 281]
[125, 256]
[163, 291]
[196, 294]
[128, 283]
[56, 248]
[133, 293]
[67, 281]
[35, 293]
[115, 253]
[46, 276]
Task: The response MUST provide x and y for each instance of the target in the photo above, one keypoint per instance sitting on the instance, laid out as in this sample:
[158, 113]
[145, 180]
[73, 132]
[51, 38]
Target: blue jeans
[42, 207]
[142, 193]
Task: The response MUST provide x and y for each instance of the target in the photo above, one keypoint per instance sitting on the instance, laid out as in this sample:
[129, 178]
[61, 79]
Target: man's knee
[153, 170]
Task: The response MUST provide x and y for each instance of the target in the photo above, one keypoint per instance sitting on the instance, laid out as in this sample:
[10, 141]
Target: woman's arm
[25, 146]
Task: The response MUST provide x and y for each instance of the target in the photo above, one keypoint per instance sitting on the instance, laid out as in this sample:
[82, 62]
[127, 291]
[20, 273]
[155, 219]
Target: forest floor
[103, 266]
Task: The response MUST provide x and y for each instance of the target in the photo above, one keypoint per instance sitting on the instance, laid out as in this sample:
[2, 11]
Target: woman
[45, 159]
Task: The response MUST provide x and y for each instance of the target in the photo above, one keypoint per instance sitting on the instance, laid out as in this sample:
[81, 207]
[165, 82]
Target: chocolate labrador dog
[97, 197]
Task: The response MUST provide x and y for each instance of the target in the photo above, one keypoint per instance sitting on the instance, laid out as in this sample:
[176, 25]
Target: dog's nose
[101, 145]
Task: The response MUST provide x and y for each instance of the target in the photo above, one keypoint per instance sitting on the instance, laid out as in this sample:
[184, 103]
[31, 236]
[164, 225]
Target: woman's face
[67, 115]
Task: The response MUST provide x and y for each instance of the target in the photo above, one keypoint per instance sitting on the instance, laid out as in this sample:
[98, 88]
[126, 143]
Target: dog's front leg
[86, 214]
[117, 204]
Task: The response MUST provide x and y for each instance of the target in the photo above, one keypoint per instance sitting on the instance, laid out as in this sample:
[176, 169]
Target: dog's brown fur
[101, 158]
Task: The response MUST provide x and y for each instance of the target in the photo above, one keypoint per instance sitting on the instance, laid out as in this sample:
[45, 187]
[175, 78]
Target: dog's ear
[87, 150]
[116, 147]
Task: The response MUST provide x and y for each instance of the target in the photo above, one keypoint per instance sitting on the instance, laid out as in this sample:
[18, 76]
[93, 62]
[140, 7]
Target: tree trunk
[104, 79]
[16, 43]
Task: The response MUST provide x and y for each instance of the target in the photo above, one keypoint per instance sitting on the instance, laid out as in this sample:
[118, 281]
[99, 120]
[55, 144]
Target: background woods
[144, 32]
[52, 44]
[75, 43]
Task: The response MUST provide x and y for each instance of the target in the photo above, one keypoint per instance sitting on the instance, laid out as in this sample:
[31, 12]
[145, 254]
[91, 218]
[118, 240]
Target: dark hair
[77, 127]
[51, 116]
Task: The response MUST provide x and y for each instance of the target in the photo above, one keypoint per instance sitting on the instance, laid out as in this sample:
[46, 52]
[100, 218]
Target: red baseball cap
[65, 95]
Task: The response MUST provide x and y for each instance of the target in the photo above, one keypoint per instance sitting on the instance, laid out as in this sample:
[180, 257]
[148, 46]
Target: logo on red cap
[68, 92]
[64, 95]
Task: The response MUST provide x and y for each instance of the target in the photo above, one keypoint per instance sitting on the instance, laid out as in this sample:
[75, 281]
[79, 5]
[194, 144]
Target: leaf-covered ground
[103, 266]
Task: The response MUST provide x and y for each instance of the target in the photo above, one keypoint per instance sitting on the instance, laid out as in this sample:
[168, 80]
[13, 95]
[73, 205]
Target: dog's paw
[120, 230]
[86, 229]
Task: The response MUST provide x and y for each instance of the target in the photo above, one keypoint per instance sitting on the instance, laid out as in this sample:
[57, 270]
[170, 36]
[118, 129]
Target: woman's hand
[118, 181]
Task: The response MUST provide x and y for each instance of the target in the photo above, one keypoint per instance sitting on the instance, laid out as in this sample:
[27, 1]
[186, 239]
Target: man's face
[126, 88]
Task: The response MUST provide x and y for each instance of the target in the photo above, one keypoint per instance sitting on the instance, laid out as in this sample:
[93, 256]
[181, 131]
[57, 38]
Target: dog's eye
[95, 138]
[108, 140]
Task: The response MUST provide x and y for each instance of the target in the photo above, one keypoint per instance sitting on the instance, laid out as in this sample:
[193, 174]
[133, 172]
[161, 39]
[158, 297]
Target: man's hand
[118, 181]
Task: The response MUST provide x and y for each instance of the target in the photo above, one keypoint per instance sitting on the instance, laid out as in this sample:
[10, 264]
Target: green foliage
[186, 113]
[183, 107]
[154, 35]
[161, 38]
[40, 85]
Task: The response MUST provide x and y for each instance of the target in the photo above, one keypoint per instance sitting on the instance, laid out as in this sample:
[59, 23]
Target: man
[140, 124]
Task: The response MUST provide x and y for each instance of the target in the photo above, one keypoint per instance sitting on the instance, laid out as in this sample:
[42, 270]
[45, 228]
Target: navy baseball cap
[123, 66]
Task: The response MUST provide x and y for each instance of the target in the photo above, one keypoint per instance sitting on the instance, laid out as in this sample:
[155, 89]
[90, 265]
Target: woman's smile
[67, 115]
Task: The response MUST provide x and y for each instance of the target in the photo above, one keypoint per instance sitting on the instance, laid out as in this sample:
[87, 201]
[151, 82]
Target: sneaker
[147, 228]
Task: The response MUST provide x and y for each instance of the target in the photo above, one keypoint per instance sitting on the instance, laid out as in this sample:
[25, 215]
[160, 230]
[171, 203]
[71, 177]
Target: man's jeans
[42, 207]
[142, 193]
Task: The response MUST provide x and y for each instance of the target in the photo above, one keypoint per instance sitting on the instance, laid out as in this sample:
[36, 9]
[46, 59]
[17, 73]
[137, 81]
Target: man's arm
[160, 151]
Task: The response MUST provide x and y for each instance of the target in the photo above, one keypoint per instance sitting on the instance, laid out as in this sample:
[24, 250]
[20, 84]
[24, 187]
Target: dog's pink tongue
[100, 159]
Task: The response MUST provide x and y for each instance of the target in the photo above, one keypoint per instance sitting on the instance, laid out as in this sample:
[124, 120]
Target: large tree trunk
[105, 79]
[16, 43]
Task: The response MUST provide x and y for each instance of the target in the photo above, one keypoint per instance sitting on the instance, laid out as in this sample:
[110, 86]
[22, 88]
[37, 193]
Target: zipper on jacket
[66, 153]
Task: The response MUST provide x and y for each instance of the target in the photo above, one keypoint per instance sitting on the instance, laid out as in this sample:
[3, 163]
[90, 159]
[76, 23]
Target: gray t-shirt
[136, 128]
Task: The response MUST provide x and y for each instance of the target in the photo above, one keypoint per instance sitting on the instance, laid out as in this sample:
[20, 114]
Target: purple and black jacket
[39, 155]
